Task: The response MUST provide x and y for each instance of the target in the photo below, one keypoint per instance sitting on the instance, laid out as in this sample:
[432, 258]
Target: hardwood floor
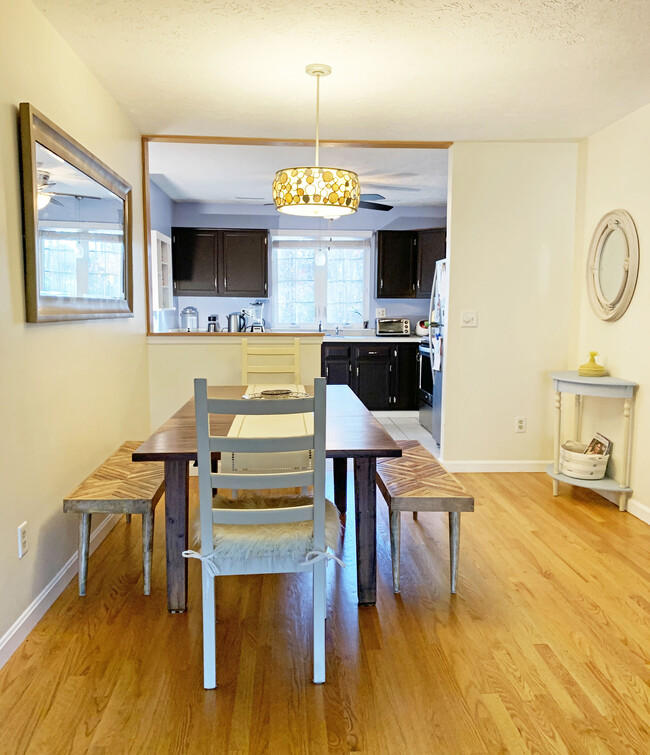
[544, 649]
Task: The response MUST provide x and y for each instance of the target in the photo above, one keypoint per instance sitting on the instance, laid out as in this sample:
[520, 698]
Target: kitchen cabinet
[432, 247]
[406, 261]
[383, 375]
[373, 379]
[217, 262]
[396, 264]
[336, 364]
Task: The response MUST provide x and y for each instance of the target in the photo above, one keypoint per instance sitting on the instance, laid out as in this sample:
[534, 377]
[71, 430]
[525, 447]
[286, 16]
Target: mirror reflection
[80, 231]
[611, 265]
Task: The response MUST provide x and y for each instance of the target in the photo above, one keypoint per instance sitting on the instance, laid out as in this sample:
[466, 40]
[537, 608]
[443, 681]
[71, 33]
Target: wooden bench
[118, 486]
[416, 481]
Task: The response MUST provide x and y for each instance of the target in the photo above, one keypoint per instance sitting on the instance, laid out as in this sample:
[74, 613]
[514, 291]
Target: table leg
[365, 504]
[340, 484]
[176, 523]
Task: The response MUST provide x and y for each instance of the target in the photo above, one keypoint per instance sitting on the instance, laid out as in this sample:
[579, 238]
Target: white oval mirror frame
[613, 265]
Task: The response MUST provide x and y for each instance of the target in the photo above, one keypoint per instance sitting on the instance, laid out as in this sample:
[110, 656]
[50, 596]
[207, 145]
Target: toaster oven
[393, 326]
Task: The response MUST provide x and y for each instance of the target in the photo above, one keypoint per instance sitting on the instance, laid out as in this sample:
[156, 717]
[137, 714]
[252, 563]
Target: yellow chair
[268, 364]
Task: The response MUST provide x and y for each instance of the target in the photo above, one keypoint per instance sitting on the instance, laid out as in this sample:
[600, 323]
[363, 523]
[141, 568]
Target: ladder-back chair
[267, 364]
[242, 536]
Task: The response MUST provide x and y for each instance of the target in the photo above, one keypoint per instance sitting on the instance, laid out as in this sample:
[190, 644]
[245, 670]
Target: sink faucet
[320, 326]
[337, 330]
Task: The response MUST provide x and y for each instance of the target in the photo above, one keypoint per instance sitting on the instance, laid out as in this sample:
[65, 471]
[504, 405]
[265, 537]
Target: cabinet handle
[381, 283]
[327, 372]
[266, 286]
[349, 368]
[418, 284]
[414, 286]
[225, 282]
[357, 372]
[390, 368]
[372, 352]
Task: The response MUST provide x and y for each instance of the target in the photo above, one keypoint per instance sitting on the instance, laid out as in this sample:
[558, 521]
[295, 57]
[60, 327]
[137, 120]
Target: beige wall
[511, 226]
[175, 361]
[70, 392]
[614, 175]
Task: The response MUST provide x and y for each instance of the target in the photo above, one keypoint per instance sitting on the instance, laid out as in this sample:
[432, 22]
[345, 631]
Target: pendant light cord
[317, 117]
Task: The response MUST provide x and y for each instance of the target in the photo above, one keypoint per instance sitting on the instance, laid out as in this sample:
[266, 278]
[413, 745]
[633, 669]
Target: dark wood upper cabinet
[432, 247]
[194, 261]
[216, 262]
[396, 264]
[406, 261]
[245, 263]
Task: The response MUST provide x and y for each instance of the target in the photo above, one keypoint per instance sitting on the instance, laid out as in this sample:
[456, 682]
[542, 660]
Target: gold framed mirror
[76, 227]
[613, 265]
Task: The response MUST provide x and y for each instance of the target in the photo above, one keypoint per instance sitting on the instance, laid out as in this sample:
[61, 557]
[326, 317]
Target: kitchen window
[319, 280]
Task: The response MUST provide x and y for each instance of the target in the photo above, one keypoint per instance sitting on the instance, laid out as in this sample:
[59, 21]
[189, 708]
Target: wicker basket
[574, 462]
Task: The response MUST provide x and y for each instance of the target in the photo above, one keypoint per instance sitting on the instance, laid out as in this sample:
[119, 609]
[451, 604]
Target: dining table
[352, 432]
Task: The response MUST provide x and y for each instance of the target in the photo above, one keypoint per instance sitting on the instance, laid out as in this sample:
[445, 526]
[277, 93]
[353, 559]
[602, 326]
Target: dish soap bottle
[590, 368]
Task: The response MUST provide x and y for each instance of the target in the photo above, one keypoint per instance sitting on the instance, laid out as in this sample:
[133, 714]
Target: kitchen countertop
[343, 338]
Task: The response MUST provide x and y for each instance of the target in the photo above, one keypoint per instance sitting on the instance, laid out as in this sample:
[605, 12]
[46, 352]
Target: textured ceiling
[403, 69]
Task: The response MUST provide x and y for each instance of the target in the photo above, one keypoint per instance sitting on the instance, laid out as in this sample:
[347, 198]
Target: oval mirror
[613, 265]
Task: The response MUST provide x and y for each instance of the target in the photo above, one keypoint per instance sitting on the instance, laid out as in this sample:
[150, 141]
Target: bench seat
[416, 481]
[118, 486]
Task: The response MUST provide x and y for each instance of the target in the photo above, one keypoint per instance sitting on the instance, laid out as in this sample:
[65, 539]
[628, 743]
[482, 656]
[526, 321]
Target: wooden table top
[352, 431]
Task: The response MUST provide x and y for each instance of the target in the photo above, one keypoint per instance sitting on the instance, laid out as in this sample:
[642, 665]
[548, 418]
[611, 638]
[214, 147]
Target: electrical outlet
[380, 312]
[520, 424]
[23, 545]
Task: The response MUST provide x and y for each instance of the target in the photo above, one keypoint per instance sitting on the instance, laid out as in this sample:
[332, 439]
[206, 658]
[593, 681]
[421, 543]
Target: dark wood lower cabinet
[383, 375]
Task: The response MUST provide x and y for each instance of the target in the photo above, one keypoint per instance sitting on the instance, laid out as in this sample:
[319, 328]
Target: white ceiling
[243, 174]
[403, 69]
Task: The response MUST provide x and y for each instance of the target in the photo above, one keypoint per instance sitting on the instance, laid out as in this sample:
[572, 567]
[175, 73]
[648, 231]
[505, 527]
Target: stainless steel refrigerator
[431, 355]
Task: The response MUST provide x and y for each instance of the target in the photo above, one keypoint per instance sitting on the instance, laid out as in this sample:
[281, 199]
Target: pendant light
[316, 191]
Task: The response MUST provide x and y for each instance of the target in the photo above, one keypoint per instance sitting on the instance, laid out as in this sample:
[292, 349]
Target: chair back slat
[260, 406]
[263, 445]
[263, 516]
[262, 480]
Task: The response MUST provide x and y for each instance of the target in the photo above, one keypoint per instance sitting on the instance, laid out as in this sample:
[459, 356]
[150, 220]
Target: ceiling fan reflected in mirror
[45, 193]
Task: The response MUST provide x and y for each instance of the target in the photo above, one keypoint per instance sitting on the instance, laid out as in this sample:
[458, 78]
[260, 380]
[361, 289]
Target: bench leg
[454, 546]
[395, 534]
[147, 549]
[415, 515]
[84, 545]
[127, 518]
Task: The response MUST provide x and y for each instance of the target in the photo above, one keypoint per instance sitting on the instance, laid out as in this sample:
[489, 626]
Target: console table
[601, 387]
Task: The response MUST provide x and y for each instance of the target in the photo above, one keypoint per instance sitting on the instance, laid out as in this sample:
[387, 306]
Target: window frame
[319, 239]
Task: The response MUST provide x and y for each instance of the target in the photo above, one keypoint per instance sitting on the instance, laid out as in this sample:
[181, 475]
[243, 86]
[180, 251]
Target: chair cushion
[291, 540]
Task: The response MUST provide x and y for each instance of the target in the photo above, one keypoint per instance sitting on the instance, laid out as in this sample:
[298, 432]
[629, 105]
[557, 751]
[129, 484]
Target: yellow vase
[590, 368]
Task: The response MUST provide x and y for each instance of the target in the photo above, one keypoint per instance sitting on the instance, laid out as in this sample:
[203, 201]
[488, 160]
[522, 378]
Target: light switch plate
[469, 318]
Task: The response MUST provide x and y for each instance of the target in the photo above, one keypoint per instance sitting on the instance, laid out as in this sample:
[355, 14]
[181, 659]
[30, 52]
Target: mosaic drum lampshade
[316, 192]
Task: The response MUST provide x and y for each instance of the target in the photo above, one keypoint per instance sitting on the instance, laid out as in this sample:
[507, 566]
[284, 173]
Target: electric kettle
[236, 322]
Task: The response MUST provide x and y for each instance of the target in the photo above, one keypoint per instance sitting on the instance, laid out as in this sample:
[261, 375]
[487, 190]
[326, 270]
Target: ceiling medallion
[316, 191]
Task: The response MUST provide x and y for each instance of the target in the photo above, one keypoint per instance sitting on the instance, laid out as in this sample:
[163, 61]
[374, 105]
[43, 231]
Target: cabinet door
[373, 376]
[194, 254]
[396, 264]
[405, 376]
[432, 246]
[335, 364]
[244, 263]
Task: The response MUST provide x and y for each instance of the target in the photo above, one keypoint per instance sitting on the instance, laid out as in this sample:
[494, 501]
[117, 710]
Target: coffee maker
[255, 315]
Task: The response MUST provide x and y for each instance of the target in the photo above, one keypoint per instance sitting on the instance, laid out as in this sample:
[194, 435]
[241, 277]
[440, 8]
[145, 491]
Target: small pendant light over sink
[316, 191]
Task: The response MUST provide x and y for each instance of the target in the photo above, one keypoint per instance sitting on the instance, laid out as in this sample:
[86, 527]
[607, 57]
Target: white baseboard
[639, 510]
[494, 466]
[18, 631]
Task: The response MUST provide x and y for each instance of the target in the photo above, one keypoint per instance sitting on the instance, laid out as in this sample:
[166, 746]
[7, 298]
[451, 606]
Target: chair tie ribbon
[207, 561]
[313, 556]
